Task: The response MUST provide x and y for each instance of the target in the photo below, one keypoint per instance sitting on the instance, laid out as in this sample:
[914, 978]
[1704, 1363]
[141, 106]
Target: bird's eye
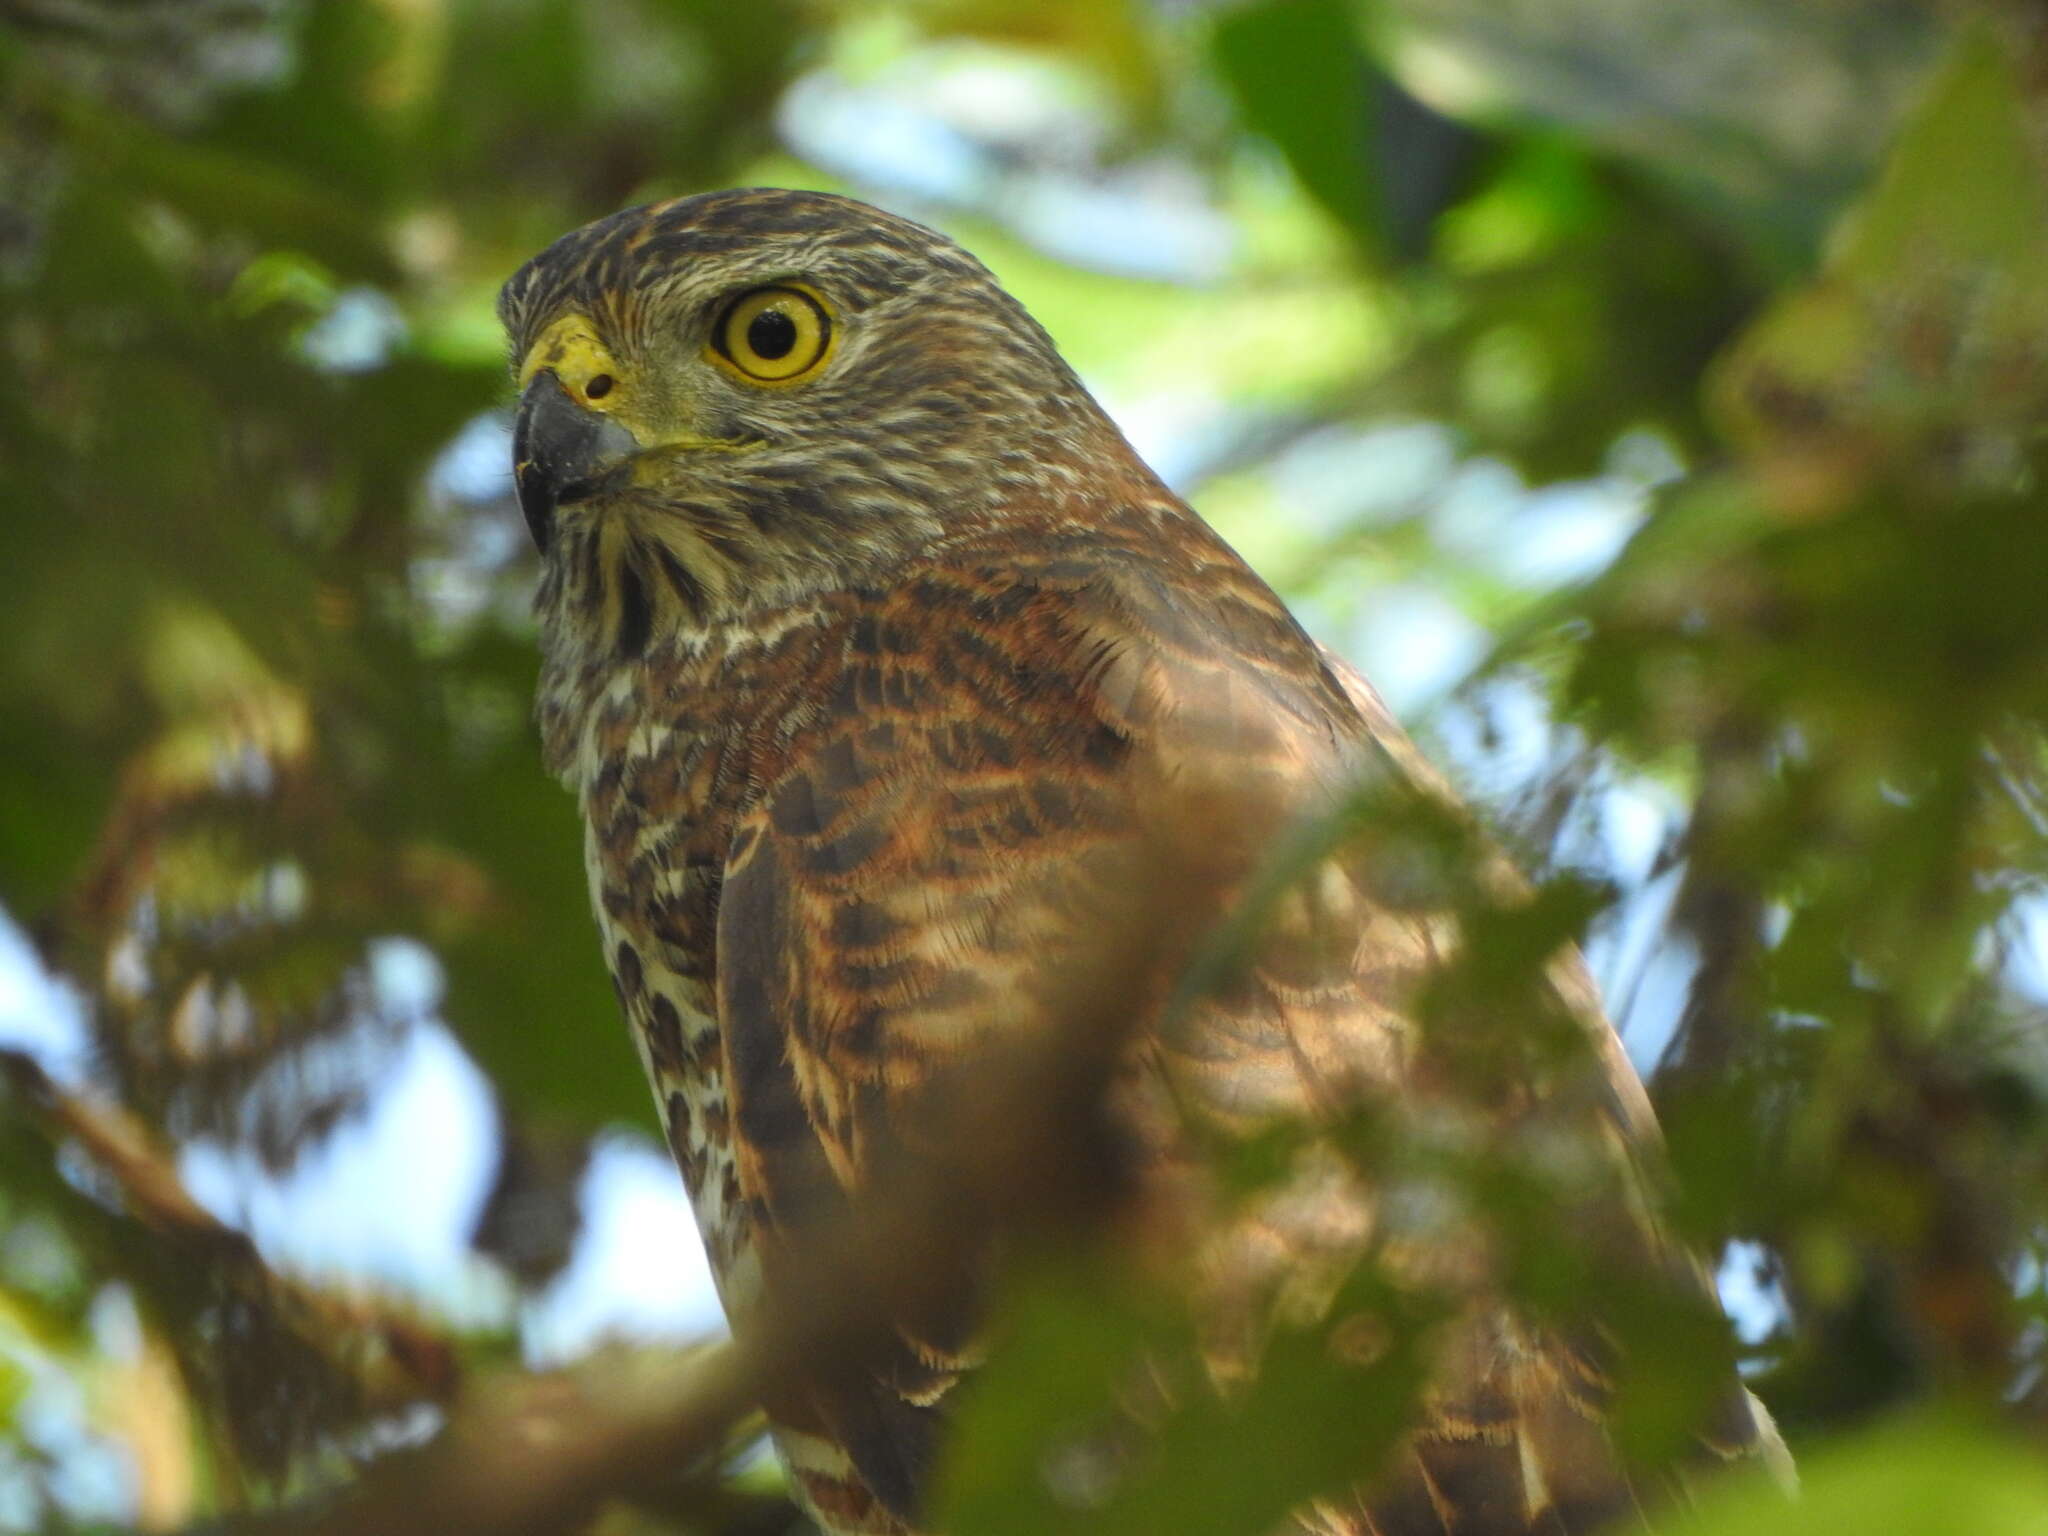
[774, 335]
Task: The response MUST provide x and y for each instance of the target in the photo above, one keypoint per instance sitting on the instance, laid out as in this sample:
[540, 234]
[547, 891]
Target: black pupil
[771, 334]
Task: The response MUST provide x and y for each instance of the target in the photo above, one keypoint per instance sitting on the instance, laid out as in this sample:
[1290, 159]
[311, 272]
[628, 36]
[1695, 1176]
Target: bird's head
[744, 396]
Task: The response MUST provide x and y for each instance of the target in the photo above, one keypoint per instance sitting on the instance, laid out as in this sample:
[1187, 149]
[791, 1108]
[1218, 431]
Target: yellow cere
[584, 364]
[774, 335]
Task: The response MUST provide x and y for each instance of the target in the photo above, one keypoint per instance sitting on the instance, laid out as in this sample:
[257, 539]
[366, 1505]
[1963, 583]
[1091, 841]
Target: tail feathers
[1537, 1462]
[1546, 1472]
[829, 1488]
[1524, 1450]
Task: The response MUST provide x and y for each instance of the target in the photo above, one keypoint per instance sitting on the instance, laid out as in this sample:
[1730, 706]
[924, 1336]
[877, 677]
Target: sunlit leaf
[1302, 80]
[1922, 1476]
[1928, 318]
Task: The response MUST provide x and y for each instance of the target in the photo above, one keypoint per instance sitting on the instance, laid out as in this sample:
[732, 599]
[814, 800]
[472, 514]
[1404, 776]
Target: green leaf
[1096, 1416]
[1929, 320]
[1925, 1476]
[14, 1385]
[1302, 80]
[1063, 1341]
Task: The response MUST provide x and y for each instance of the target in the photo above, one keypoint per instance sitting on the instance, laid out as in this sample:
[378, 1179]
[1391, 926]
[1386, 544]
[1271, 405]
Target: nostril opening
[598, 387]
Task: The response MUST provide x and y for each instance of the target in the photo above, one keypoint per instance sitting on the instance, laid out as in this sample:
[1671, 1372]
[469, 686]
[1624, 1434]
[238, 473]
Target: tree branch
[386, 1358]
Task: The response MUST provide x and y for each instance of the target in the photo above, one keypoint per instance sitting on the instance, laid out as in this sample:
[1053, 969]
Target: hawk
[883, 671]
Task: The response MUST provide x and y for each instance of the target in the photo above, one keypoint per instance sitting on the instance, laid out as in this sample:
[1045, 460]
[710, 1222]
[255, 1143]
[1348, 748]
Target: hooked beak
[562, 453]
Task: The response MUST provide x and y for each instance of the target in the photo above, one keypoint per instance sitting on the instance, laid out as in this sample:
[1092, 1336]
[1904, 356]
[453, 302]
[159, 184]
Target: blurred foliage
[1760, 280]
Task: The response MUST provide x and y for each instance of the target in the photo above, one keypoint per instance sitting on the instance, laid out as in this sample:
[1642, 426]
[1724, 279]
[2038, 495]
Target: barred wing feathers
[1018, 738]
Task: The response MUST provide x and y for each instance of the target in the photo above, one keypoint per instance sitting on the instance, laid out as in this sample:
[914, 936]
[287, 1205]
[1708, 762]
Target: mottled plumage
[880, 680]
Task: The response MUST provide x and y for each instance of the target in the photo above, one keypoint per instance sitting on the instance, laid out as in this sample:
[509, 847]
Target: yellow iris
[774, 335]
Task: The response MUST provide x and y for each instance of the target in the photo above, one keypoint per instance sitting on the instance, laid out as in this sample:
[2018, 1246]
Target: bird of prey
[885, 673]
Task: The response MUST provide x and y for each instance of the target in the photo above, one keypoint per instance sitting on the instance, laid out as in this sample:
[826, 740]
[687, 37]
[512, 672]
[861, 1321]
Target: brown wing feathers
[913, 871]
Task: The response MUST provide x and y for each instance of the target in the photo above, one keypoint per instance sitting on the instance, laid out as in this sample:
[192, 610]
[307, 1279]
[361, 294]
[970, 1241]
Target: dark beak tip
[537, 501]
[560, 451]
[530, 479]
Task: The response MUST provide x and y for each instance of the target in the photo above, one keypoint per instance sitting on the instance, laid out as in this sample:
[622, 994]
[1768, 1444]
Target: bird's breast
[664, 752]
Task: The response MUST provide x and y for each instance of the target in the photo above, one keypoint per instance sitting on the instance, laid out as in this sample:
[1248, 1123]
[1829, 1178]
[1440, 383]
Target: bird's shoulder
[1139, 614]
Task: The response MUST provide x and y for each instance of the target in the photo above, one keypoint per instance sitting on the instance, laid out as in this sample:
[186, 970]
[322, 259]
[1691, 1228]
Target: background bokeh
[1645, 393]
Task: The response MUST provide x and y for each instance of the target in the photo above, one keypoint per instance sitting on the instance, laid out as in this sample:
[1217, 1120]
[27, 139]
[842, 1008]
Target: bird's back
[1252, 733]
